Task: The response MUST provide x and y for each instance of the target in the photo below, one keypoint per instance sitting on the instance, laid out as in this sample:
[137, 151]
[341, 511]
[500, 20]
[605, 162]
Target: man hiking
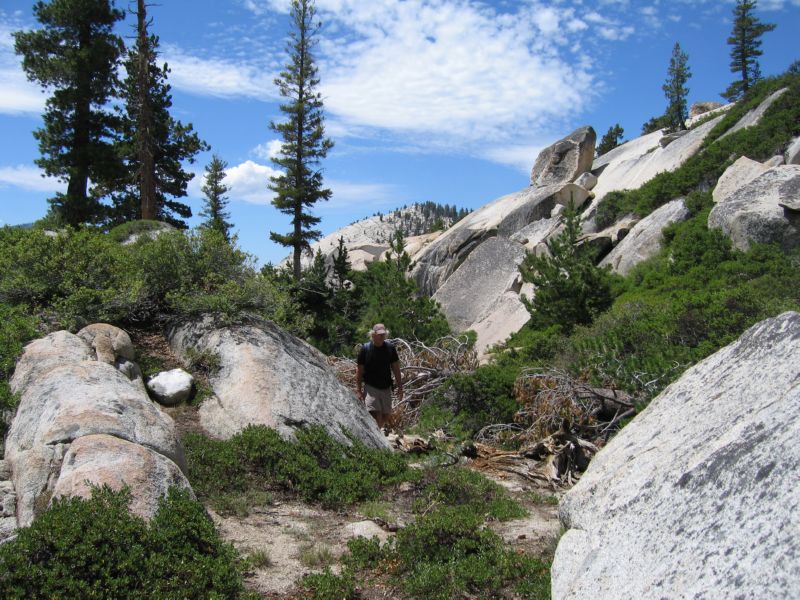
[377, 361]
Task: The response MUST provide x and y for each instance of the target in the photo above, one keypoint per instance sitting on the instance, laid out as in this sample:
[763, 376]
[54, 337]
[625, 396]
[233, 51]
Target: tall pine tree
[75, 54]
[611, 139]
[675, 88]
[299, 185]
[215, 200]
[153, 144]
[745, 42]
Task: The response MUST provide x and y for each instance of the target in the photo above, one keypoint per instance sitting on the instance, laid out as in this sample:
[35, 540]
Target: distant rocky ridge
[368, 239]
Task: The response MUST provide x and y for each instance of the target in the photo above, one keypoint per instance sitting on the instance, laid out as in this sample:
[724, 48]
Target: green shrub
[96, 549]
[17, 328]
[123, 232]
[470, 491]
[315, 466]
[447, 553]
[471, 401]
[327, 586]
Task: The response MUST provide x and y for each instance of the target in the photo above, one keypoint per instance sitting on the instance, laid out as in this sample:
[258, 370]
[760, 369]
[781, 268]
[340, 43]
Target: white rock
[792, 155]
[502, 318]
[775, 161]
[703, 112]
[269, 377]
[754, 116]
[634, 163]
[365, 529]
[171, 387]
[645, 240]
[697, 497]
[114, 339]
[739, 174]
[587, 180]
[754, 213]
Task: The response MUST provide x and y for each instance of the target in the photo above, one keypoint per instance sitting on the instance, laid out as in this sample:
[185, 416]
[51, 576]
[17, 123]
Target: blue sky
[441, 100]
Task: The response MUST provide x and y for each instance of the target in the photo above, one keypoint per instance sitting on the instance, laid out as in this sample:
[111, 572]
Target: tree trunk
[147, 189]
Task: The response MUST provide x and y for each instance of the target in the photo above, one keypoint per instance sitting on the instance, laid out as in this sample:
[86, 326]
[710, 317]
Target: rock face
[754, 116]
[566, 159]
[66, 396]
[492, 268]
[645, 240]
[269, 377]
[698, 496]
[503, 217]
[636, 162]
[170, 388]
[739, 174]
[755, 212]
[792, 154]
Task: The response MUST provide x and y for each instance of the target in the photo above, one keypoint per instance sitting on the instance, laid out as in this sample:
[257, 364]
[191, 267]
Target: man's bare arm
[360, 381]
[398, 378]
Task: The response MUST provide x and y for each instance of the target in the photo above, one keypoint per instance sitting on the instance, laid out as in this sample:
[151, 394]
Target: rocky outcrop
[754, 116]
[756, 213]
[170, 388]
[704, 110]
[739, 174]
[268, 377]
[493, 268]
[792, 154]
[503, 217]
[65, 396]
[565, 160]
[697, 497]
[634, 163]
[645, 240]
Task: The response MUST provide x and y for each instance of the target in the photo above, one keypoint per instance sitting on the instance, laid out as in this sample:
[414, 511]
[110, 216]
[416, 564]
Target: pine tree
[745, 42]
[153, 144]
[215, 200]
[341, 265]
[75, 54]
[570, 289]
[299, 186]
[610, 140]
[675, 89]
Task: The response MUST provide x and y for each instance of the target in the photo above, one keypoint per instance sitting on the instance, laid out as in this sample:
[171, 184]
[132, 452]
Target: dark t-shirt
[376, 361]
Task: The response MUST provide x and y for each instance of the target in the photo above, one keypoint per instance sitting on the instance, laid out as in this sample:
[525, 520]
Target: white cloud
[17, 94]
[349, 195]
[248, 181]
[30, 178]
[467, 73]
[218, 77]
[267, 150]
[519, 157]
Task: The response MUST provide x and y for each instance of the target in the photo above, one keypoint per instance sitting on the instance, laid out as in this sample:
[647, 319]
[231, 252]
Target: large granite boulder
[269, 377]
[739, 174]
[502, 317]
[502, 217]
[66, 395]
[697, 497]
[490, 271]
[565, 160]
[645, 240]
[755, 213]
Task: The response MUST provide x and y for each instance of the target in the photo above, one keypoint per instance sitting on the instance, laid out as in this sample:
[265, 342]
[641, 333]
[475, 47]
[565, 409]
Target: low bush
[17, 327]
[467, 402]
[447, 553]
[470, 491]
[315, 466]
[96, 549]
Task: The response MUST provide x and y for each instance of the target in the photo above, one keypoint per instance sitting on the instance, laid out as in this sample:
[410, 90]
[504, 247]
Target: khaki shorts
[378, 400]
